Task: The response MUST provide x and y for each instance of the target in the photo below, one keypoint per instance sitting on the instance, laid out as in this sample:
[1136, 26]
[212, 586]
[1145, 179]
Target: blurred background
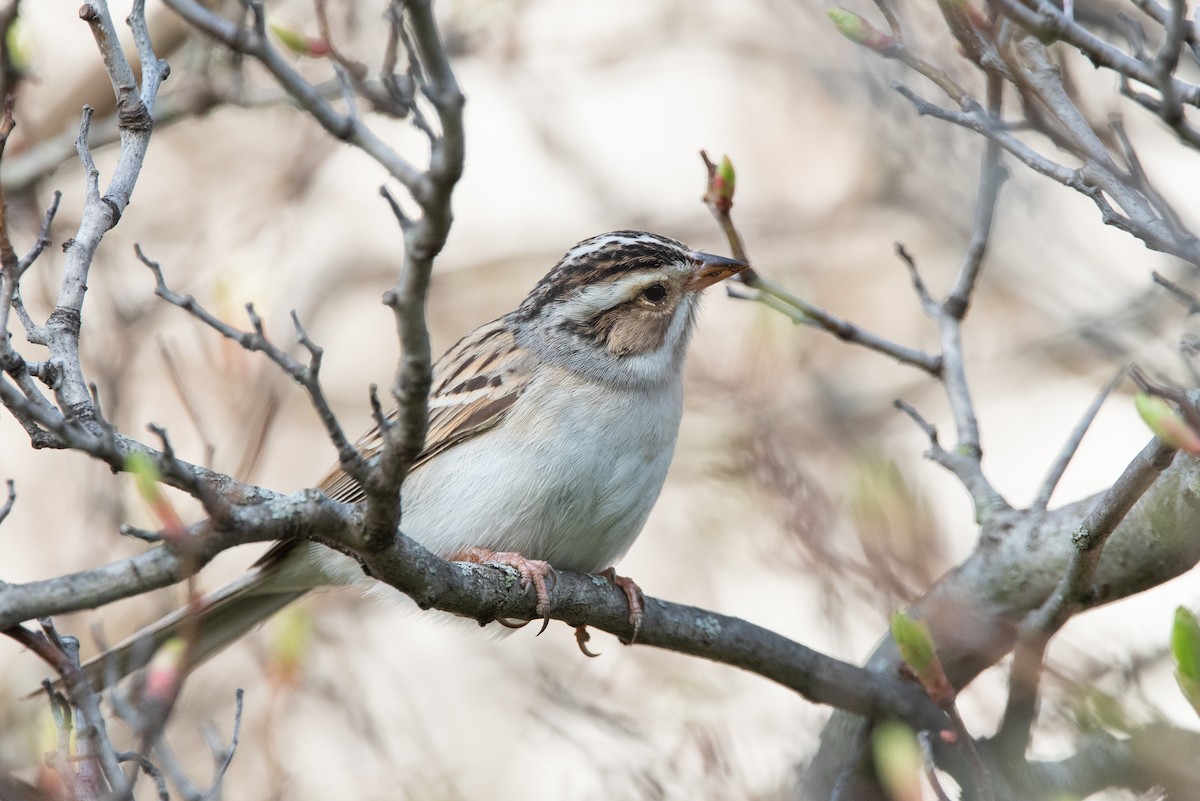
[798, 498]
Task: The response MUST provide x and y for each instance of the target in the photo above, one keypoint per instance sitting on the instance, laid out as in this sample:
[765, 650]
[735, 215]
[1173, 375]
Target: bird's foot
[534, 573]
[633, 594]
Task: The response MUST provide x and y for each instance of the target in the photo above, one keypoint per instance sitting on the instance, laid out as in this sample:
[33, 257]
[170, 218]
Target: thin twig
[992, 175]
[307, 376]
[9, 501]
[149, 769]
[774, 296]
[923, 739]
[1187, 298]
[186, 397]
[1046, 488]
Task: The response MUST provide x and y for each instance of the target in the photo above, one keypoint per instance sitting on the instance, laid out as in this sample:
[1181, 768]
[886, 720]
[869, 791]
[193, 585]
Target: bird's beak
[708, 269]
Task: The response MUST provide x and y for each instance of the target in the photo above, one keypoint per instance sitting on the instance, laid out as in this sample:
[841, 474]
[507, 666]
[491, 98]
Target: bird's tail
[213, 621]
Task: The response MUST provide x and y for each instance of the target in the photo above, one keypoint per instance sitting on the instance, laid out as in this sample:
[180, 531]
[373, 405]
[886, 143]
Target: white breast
[569, 476]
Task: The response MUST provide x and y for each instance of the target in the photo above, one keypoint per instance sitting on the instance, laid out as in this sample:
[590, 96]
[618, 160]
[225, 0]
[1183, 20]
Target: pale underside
[582, 505]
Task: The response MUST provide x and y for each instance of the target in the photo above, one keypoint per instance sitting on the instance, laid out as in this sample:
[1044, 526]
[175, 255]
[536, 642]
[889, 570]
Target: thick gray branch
[973, 611]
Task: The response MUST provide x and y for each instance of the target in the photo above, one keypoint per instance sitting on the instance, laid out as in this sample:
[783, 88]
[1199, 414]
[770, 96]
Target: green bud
[146, 476]
[913, 639]
[1166, 423]
[898, 761]
[725, 178]
[299, 43]
[18, 44]
[861, 32]
[291, 638]
[165, 672]
[1185, 645]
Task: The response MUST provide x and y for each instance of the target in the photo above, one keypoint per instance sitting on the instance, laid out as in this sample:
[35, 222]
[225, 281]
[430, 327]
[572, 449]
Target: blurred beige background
[584, 117]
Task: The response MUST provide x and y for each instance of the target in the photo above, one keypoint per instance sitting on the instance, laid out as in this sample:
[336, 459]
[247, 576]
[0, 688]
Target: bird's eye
[655, 293]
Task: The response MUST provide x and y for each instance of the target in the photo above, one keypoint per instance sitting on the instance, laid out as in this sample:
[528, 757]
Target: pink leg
[633, 594]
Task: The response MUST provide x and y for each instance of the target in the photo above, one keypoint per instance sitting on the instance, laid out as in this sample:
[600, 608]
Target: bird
[550, 433]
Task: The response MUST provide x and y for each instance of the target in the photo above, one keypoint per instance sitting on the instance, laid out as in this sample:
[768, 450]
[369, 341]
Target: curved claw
[581, 639]
[633, 595]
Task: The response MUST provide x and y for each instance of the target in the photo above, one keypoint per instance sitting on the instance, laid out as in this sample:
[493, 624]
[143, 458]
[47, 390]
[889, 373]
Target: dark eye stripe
[630, 251]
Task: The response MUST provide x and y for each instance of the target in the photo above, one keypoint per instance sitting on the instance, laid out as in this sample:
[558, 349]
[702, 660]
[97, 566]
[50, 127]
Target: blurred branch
[1158, 757]
[1150, 496]
[1085, 180]
[1042, 499]
[1184, 296]
[85, 759]
[1074, 592]
[94, 771]
[253, 41]
[966, 459]
[974, 610]
[992, 175]
[41, 158]
[308, 376]
[1048, 23]
[7, 506]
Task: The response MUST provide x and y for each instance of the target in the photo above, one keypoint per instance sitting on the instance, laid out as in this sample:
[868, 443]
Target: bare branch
[101, 213]
[1072, 593]
[1047, 22]
[61, 653]
[800, 311]
[992, 175]
[253, 41]
[1086, 180]
[1185, 297]
[9, 501]
[147, 767]
[307, 376]
[1046, 489]
[966, 460]
[423, 240]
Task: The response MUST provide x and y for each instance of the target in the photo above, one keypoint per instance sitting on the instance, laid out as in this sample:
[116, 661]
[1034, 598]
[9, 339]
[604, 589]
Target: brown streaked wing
[474, 385]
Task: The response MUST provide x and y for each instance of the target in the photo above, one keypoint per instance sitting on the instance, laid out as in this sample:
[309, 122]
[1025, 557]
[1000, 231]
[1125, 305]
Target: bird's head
[620, 306]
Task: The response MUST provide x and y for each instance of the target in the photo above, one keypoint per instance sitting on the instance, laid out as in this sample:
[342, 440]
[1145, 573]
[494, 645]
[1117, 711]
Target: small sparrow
[550, 433]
